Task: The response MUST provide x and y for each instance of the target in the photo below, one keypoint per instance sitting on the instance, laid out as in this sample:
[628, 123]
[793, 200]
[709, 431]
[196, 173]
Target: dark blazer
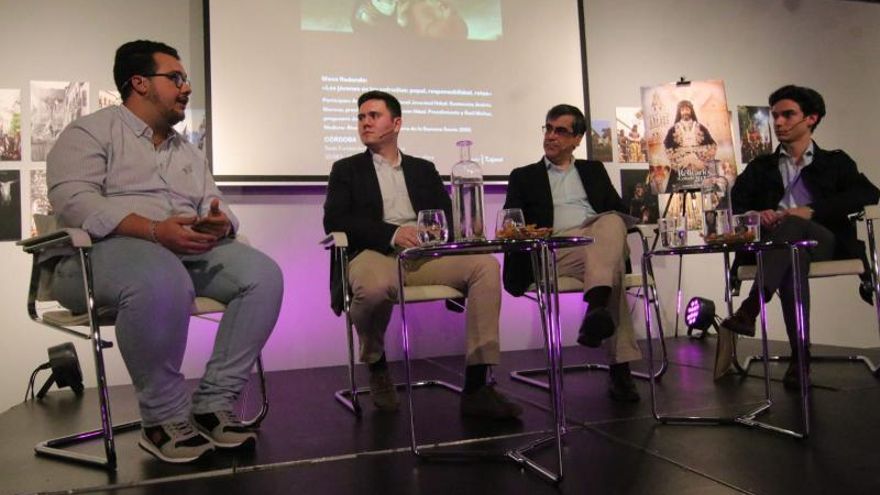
[528, 188]
[354, 206]
[834, 181]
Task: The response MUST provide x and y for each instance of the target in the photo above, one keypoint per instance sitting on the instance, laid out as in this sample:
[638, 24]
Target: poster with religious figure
[688, 133]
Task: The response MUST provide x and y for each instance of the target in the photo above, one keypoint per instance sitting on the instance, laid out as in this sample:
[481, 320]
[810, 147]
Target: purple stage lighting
[700, 313]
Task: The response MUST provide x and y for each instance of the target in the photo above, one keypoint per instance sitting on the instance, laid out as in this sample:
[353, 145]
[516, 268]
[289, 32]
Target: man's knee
[371, 288]
[485, 267]
[265, 274]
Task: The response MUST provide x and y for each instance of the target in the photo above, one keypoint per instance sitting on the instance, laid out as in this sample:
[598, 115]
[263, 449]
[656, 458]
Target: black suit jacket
[354, 206]
[834, 181]
[528, 188]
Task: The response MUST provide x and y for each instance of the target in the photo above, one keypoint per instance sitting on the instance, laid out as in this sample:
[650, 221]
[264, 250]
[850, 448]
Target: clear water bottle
[467, 196]
[717, 217]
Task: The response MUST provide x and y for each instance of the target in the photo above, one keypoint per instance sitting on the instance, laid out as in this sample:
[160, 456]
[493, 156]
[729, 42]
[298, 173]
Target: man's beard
[171, 116]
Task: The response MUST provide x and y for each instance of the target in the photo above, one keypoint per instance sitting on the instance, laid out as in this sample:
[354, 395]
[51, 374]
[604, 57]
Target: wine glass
[509, 222]
[432, 227]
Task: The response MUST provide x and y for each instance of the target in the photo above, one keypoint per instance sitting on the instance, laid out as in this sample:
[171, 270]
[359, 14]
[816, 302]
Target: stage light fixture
[699, 314]
[65, 369]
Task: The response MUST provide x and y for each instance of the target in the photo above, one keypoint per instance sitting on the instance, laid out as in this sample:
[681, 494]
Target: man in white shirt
[374, 197]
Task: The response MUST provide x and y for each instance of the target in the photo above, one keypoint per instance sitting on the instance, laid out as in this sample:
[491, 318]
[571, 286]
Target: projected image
[10, 125]
[494, 94]
[754, 132]
[446, 19]
[53, 106]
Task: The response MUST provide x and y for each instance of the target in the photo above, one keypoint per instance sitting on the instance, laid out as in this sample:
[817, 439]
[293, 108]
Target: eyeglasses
[559, 131]
[178, 78]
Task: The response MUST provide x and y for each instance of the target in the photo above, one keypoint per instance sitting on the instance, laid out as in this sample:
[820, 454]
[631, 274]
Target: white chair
[833, 268]
[52, 239]
[337, 244]
[632, 283]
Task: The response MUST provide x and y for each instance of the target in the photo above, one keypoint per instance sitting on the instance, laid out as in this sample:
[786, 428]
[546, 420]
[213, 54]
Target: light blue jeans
[153, 290]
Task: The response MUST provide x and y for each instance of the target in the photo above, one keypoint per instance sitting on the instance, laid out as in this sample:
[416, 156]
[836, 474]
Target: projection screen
[284, 77]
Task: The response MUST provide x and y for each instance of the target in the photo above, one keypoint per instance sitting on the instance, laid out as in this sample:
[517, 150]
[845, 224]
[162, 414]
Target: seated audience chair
[632, 283]
[337, 244]
[51, 238]
[833, 268]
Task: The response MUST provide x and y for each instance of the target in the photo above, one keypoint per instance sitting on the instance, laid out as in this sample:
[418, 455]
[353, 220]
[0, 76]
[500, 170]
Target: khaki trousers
[603, 263]
[373, 278]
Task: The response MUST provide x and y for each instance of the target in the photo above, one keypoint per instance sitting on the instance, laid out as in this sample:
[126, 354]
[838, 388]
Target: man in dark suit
[374, 198]
[576, 197]
[801, 192]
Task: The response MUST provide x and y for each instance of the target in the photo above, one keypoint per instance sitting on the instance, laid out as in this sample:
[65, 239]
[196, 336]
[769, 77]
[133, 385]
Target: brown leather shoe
[383, 391]
[741, 322]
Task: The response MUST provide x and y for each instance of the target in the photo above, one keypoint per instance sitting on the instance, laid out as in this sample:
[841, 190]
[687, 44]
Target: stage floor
[310, 444]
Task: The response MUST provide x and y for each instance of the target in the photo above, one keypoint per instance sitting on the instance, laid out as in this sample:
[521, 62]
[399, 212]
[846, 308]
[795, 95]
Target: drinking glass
[748, 225]
[672, 231]
[508, 222]
[432, 227]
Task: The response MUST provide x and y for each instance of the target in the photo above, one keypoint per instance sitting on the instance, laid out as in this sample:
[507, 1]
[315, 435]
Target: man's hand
[215, 223]
[406, 236]
[804, 212]
[176, 234]
[769, 218]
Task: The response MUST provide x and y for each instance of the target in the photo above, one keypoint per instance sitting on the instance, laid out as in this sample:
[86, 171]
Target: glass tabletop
[721, 247]
[493, 246]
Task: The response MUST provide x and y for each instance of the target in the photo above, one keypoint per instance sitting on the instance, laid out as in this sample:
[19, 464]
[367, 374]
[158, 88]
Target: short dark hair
[389, 99]
[810, 101]
[136, 58]
[580, 123]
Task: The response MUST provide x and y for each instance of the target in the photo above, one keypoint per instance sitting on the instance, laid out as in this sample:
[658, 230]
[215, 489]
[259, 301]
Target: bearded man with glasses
[576, 198]
[162, 236]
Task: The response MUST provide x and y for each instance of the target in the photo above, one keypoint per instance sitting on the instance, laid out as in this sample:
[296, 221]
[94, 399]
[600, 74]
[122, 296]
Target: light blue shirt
[796, 192]
[570, 203]
[105, 167]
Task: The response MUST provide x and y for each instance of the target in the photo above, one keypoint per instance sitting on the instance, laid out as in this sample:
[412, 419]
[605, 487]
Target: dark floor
[310, 444]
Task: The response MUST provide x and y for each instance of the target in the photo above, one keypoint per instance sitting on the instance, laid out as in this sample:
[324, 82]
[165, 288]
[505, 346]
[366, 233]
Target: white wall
[754, 45]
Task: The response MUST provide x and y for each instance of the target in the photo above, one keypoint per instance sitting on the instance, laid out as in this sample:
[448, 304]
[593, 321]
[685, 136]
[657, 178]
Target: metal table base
[749, 418]
[543, 255]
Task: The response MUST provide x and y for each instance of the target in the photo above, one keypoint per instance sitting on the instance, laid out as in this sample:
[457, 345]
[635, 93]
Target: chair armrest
[335, 240]
[872, 212]
[76, 238]
[648, 231]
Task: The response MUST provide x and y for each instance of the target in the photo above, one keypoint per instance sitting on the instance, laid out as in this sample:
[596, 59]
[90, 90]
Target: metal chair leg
[525, 376]
[264, 397]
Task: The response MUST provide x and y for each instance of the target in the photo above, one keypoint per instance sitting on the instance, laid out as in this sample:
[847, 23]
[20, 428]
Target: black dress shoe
[792, 380]
[596, 327]
[741, 322]
[621, 387]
